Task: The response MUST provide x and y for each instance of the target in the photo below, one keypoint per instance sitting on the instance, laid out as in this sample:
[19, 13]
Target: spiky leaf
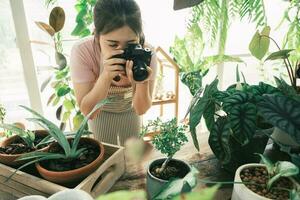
[173, 188]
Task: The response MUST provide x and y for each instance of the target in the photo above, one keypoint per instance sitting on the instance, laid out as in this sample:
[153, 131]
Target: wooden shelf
[163, 101]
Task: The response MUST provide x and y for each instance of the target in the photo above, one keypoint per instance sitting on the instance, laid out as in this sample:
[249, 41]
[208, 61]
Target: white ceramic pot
[73, 194]
[284, 138]
[33, 197]
[240, 191]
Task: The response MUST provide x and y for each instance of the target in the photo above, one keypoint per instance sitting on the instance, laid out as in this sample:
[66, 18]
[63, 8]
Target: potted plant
[266, 181]
[237, 129]
[67, 160]
[281, 111]
[168, 141]
[63, 97]
[20, 142]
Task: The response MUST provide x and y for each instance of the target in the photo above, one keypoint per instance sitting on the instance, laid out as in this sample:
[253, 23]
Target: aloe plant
[26, 135]
[70, 151]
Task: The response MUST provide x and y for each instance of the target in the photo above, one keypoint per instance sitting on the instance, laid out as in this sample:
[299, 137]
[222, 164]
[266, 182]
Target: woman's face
[117, 39]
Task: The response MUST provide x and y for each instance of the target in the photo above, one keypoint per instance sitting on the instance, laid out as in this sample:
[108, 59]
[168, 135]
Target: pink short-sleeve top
[85, 61]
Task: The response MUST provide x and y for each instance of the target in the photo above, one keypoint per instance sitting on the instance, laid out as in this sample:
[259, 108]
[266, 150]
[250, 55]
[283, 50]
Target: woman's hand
[129, 73]
[113, 67]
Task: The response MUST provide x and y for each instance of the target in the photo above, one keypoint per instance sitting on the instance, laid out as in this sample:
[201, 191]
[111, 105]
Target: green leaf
[203, 194]
[198, 109]
[294, 195]
[124, 195]
[57, 18]
[81, 129]
[77, 120]
[53, 130]
[282, 54]
[81, 14]
[260, 42]
[269, 164]
[173, 188]
[68, 105]
[219, 140]
[27, 136]
[282, 112]
[283, 169]
[66, 116]
[243, 122]
[56, 101]
[285, 88]
[63, 91]
[79, 28]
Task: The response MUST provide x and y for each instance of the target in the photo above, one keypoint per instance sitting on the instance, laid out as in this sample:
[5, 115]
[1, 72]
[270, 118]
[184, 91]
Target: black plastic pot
[154, 184]
[241, 155]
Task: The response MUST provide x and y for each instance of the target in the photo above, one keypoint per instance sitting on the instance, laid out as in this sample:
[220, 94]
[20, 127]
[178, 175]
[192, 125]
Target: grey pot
[154, 184]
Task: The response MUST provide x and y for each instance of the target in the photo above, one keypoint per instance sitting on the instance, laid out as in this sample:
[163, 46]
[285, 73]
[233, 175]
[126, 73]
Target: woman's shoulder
[86, 43]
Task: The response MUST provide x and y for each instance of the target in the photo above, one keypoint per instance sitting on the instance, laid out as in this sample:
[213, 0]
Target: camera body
[141, 58]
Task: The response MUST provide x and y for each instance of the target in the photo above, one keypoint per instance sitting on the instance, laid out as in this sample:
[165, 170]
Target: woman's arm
[89, 94]
[142, 99]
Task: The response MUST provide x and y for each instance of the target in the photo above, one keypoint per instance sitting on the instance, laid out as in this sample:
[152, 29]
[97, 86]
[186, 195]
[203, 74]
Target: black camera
[141, 58]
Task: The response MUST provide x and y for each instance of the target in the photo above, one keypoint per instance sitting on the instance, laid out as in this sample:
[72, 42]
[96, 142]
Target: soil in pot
[173, 170]
[259, 176]
[18, 146]
[88, 156]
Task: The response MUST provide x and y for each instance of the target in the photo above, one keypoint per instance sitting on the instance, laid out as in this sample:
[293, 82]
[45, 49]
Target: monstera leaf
[282, 112]
[219, 140]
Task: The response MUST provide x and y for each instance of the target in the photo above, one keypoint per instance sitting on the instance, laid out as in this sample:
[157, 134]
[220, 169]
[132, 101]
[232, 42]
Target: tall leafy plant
[193, 65]
[63, 96]
[215, 17]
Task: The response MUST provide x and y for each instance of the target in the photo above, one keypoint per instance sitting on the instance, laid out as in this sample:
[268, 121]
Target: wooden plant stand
[99, 182]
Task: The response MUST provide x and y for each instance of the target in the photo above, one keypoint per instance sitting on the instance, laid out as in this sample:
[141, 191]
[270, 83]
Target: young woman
[94, 68]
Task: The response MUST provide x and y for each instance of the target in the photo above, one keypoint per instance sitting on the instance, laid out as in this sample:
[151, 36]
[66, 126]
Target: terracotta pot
[154, 184]
[10, 159]
[74, 175]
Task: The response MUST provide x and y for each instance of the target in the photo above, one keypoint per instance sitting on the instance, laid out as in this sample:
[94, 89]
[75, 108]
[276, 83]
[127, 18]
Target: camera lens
[140, 72]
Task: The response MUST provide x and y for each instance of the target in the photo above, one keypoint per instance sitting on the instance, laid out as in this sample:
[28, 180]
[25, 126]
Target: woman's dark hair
[113, 14]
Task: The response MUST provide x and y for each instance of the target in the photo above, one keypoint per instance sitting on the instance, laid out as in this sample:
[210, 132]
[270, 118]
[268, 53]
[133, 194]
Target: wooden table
[205, 162]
